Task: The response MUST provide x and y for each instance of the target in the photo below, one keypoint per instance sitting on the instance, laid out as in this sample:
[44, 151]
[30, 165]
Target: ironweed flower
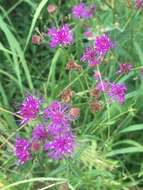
[139, 4]
[90, 56]
[39, 132]
[117, 92]
[103, 44]
[22, 150]
[61, 146]
[103, 86]
[124, 68]
[82, 11]
[57, 113]
[29, 109]
[62, 36]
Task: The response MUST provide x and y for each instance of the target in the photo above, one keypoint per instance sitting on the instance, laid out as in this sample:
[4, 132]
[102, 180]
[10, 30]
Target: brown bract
[95, 93]
[66, 95]
[75, 112]
[72, 65]
[95, 106]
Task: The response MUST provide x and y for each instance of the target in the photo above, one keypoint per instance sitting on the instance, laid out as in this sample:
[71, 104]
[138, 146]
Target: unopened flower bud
[51, 8]
[75, 112]
[36, 39]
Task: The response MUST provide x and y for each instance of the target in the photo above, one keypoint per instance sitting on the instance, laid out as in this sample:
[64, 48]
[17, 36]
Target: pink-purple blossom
[61, 146]
[124, 68]
[103, 44]
[83, 11]
[62, 36]
[117, 92]
[29, 109]
[90, 56]
[139, 4]
[22, 150]
[103, 86]
[39, 132]
[57, 112]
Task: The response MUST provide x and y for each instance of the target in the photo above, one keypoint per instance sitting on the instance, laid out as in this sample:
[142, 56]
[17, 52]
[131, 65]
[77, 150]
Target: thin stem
[7, 111]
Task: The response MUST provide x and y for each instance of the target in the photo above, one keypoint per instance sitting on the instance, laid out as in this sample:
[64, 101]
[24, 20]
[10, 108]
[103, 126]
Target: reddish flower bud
[36, 39]
[72, 65]
[95, 106]
[75, 112]
[95, 93]
[51, 8]
[35, 147]
[66, 95]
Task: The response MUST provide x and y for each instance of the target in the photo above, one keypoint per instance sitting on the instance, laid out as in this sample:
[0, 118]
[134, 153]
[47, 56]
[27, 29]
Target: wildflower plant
[80, 124]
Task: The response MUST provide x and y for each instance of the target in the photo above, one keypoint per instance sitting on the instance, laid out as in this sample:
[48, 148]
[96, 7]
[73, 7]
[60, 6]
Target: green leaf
[128, 150]
[132, 128]
[36, 15]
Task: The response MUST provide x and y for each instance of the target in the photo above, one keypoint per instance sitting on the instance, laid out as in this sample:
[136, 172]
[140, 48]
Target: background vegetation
[111, 148]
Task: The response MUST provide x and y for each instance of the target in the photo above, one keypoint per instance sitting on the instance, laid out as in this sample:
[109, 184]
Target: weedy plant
[71, 95]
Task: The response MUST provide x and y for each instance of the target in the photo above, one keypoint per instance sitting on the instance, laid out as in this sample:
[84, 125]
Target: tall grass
[110, 142]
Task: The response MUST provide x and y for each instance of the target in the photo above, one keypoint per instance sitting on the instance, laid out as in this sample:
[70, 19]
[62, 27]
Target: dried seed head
[95, 106]
[36, 39]
[95, 93]
[51, 8]
[66, 95]
[75, 112]
[72, 65]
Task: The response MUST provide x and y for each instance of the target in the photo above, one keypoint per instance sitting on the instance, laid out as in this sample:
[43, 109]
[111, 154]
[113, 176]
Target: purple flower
[139, 4]
[103, 86]
[22, 150]
[103, 44]
[29, 109]
[62, 36]
[90, 56]
[124, 68]
[117, 92]
[55, 129]
[39, 132]
[82, 11]
[57, 113]
[61, 146]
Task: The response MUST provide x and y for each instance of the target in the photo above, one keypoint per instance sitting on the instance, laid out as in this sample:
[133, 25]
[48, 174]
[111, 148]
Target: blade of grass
[36, 15]
[15, 47]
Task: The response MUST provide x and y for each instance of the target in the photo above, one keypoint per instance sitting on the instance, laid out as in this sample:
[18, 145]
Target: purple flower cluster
[63, 144]
[82, 11]
[115, 91]
[90, 56]
[59, 128]
[62, 36]
[124, 68]
[93, 55]
[55, 135]
[29, 109]
[22, 150]
[139, 4]
[103, 44]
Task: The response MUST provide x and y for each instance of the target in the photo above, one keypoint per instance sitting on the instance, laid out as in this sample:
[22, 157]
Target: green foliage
[110, 142]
